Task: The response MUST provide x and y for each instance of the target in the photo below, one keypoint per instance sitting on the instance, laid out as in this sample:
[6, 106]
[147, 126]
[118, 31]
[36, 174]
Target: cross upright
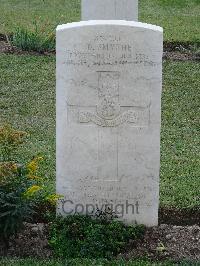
[108, 115]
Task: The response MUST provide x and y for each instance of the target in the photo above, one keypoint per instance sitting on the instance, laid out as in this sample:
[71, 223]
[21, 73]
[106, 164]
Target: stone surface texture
[110, 10]
[109, 80]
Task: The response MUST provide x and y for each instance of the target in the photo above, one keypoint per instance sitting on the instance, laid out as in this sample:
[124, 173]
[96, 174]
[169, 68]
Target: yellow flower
[14, 167]
[32, 190]
[11, 136]
[53, 198]
[40, 158]
[33, 177]
[33, 165]
[8, 169]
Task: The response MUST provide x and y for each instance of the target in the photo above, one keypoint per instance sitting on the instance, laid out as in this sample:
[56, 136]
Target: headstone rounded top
[109, 22]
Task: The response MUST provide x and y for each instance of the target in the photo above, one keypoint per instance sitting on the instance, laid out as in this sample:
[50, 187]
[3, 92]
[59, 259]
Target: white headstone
[110, 10]
[109, 79]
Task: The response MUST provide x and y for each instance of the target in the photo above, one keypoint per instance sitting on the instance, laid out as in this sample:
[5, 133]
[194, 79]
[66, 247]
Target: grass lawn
[28, 103]
[180, 142]
[85, 262]
[180, 18]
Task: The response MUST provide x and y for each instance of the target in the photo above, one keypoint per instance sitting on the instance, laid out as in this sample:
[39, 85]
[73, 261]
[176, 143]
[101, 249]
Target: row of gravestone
[109, 9]
[109, 82]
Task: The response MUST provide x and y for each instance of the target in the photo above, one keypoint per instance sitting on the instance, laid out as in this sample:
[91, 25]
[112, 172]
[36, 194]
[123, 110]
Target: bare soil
[182, 217]
[167, 242]
[180, 56]
[159, 243]
[32, 241]
[173, 51]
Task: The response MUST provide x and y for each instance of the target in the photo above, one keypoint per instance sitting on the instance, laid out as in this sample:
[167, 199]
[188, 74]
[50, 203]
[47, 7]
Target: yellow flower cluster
[53, 198]
[7, 171]
[11, 136]
[32, 167]
[32, 190]
[34, 177]
[8, 166]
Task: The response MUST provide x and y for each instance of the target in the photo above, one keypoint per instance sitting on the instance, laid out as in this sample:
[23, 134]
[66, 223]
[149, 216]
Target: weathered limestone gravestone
[110, 9]
[109, 80]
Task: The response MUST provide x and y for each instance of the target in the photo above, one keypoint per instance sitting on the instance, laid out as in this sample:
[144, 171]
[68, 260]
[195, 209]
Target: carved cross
[109, 115]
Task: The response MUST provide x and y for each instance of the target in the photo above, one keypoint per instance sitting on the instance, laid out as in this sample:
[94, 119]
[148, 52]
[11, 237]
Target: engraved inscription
[107, 50]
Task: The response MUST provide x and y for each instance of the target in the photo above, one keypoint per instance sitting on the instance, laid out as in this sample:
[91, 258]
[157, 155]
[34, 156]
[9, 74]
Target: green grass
[33, 40]
[180, 149]
[86, 262]
[27, 89]
[28, 103]
[180, 18]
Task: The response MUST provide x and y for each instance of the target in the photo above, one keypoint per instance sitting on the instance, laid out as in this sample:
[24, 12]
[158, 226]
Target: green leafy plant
[85, 237]
[34, 40]
[19, 193]
[21, 189]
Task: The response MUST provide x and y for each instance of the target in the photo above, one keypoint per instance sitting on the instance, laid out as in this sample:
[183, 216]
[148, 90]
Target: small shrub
[21, 189]
[85, 237]
[34, 40]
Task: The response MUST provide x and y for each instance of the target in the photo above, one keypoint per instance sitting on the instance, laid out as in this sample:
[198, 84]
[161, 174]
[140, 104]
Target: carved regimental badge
[108, 110]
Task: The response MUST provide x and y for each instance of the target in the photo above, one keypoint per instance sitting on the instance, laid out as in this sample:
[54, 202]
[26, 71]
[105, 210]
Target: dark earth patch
[174, 46]
[167, 215]
[175, 216]
[158, 244]
[180, 56]
[172, 50]
[167, 242]
[32, 241]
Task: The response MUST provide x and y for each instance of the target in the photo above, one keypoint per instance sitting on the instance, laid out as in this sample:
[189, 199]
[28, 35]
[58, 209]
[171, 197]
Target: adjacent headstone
[109, 79]
[110, 10]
